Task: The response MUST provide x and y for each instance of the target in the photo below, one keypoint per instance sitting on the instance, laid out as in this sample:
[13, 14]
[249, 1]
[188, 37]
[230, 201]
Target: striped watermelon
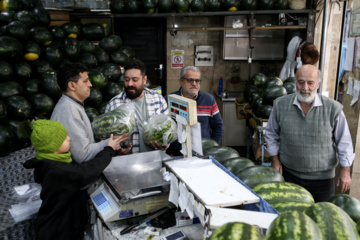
[294, 226]
[221, 153]
[333, 222]
[237, 164]
[208, 142]
[237, 231]
[284, 207]
[255, 175]
[349, 204]
[277, 192]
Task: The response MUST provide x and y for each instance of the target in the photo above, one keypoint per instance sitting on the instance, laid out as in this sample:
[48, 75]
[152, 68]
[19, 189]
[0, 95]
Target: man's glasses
[191, 80]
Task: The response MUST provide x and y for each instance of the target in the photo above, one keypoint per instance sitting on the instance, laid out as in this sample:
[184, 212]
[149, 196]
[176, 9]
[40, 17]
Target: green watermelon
[117, 122]
[271, 93]
[91, 112]
[10, 48]
[94, 99]
[290, 79]
[119, 58]
[41, 35]
[132, 6]
[17, 30]
[26, 17]
[257, 104]
[8, 89]
[3, 112]
[7, 141]
[71, 48]
[249, 4]
[263, 111]
[6, 71]
[255, 175]
[231, 5]
[208, 142]
[148, 6]
[42, 66]
[237, 164]
[111, 43]
[32, 51]
[349, 204]
[258, 80]
[111, 71]
[254, 96]
[22, 71]
[117, 6]
[53, 54]
[88, 59]
[86, 46]
[20, 141]
[197, 5]
[295, 226]
[221, 153]
[42, 15]
[41, 103]
[273, 81]
[278, 192]
[32, 86]
[214, 5]
[283, 207]
[97, 79]
[101, 56]
[72, 29]
[58, 33]
[249, 89]
[161, 129]
[18, 107]
[237, 231]
[111, 90]
[50, 86]
[181, 6]
[6, 17]
[128, 51]
[93, 31]
[266, 4]
[165, 6]
[281, 4]
[333, 222]
[102, 108]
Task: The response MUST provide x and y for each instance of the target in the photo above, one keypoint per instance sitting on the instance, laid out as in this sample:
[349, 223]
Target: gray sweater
[72, 115]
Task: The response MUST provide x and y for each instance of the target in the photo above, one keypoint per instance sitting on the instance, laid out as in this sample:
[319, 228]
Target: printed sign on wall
[177, 58]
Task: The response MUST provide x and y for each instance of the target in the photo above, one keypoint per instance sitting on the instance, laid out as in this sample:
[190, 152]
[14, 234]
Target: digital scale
[132, 185]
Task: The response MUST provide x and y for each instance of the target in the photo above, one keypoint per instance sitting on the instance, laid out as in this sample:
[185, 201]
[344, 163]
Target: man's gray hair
[191, 68]
[318, 79]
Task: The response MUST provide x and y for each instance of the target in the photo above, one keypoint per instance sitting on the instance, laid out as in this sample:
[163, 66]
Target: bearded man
[307, 136]
[147, 103]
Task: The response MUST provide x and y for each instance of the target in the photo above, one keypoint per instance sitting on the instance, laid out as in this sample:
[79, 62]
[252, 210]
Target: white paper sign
[349, 54]
[174, 190]
[196, 143]
[190, 205]
[355, 92]
[184, 196]
[350, 87]
[177, 59]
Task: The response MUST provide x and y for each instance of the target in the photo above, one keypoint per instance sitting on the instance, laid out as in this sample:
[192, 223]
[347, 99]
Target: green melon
[237, 164]
[6, 71]
[181, 6]
[41, 104]
[88, 59]
[111, 71]
[50, 86]
[117, 6]
[271, 93]
[263, 111]
[18, 107]
[165, 6]
[91, 113]
[214, 5]
[236, 231]
[255, 175]
[97, 79]
[197, 6]
[258, 80]
[7, 141]
[94, 99]
[148, 6]
[26, 17]
[290, 87]
[208, 142]
[17, 30]
[349, 204]
[283, 207]
[119, 58]
[111, 43]
[221, 153]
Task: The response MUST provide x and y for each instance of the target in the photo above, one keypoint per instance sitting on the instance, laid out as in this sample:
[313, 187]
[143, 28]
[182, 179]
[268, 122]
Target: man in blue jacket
[207, 110]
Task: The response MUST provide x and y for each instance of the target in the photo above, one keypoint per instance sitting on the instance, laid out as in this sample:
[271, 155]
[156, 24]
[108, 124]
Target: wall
[186, 40]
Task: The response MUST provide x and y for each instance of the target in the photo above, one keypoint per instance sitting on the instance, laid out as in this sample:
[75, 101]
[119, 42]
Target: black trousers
[321, 190]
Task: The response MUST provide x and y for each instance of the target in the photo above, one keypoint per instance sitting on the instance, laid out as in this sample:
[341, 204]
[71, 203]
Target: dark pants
[321, 190]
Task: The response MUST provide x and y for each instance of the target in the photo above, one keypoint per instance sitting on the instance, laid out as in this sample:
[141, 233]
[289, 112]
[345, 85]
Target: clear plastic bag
[118, 122]
[29, 202]
[161, 129]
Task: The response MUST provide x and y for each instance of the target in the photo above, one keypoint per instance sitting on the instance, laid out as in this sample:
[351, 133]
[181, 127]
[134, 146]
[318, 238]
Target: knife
[144, 221]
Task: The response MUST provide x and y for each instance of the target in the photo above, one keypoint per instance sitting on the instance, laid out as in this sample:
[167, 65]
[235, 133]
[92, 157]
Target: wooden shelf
[242, 28]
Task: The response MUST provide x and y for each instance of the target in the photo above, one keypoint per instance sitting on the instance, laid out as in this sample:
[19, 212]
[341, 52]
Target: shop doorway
[147, 36]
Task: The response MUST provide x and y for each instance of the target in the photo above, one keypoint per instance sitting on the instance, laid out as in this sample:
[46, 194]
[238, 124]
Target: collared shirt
[155, 104]
[75, 100]
[341, 135]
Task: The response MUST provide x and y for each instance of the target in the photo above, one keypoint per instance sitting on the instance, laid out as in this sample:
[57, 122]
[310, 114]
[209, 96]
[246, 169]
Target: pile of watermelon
[183, 6]
[31, 51]
[261, 91]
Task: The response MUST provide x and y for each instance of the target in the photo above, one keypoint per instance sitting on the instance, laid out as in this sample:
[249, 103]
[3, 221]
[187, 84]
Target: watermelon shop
[192, 144]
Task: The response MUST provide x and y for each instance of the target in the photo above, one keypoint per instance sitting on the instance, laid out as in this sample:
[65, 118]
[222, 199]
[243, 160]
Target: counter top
[232, 96]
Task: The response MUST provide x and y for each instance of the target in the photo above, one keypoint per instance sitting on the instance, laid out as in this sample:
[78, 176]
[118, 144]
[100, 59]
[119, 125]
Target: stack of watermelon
[261, 91]
[183, 6]
[30, 52]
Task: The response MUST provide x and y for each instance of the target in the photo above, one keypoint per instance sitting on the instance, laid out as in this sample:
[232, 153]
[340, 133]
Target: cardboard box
[242, 108]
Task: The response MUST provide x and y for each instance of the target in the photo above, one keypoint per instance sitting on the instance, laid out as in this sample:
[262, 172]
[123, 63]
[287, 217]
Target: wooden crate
[242, 108]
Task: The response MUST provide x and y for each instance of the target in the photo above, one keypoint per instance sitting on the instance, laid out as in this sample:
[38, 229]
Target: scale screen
[105, 204]
[183, 107]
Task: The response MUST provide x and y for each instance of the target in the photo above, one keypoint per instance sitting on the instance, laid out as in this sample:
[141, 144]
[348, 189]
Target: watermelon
[281, 4]
[91, 113]
[290, 87]
[101, 56]
[111, 90]
[181, 6]
[278, 192]
[41, 35]
[86, 46]
[93, 31]
[26, 17]
[50, 86]
[58, 33]
[42, 66]
[231, 5]
[257, 104]
[265, 4]
[117, 6]
[161, 129]
[349, 204]
[18, 107]
[263, 111]
[249, 4]
[254, 96]
[17, 30]
[97, 79]
[249, 89]
[271, 93]
[20, 140]
[6, 71]
[283, 207]
[214, 5]
[8, 89]
[22, 71]
[53, 54]
[273, 81]
[197, 5]
[95, 98]
[295, 226]
[165, 6]
[258, 80]
[148, 6]
[42, 103]
[3, 112]
[117, 122]
[111, 71]
[7, 141]
[255, 175]
[236, 231]
[290, 79]
[32, 86]
[333, 222]
[208, 142]
[10, 48]
[6, 17]
[32, 51]
[119, 58]
[111, 43]
[10, 5]
[221, 153]
[71, 48]
[88, 59]
[42, 15]
[72, 29]
[132, 6]
[128, 51]
[237, 164]
[102, 108]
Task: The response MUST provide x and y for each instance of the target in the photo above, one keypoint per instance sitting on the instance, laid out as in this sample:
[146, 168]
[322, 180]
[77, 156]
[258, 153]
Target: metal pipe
[323, 41]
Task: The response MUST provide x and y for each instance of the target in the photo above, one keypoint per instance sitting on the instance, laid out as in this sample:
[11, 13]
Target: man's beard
[133, 95]
[305, 99]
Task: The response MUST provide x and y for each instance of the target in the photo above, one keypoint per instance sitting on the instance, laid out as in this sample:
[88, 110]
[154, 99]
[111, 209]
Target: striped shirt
[155, 105]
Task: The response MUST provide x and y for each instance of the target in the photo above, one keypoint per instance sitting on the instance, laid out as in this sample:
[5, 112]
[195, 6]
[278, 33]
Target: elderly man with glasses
[208, 113]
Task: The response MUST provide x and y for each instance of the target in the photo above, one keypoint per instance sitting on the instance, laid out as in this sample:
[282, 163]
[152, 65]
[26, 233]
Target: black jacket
[63, 212]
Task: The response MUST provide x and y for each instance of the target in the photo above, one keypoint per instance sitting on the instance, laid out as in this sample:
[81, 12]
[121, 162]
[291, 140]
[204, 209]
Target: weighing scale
[132, 185]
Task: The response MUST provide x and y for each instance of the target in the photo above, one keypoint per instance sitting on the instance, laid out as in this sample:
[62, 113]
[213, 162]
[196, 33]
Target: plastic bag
[162, 129]
[118, 122]
[288, 69]
[28, 196]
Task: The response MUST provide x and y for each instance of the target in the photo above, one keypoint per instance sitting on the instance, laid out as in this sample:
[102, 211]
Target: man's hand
[119, 139]
[155, 145]
[275, 163]
[124, 151]
[344, 179]
[114, 141]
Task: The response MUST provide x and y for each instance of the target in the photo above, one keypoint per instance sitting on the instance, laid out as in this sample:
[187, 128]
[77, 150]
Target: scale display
[184, 107]
[106, 207]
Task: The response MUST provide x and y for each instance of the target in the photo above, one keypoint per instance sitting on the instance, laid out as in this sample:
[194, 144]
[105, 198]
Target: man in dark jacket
[63, 212]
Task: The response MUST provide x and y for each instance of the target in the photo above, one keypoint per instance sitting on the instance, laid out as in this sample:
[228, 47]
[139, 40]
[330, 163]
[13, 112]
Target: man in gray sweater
[307, 136]
[73, 80]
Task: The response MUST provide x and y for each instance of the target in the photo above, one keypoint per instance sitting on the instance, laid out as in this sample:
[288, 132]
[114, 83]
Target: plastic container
[220, 86]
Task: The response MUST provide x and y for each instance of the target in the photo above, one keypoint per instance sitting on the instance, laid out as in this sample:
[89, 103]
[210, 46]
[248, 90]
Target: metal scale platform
[132, 185]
